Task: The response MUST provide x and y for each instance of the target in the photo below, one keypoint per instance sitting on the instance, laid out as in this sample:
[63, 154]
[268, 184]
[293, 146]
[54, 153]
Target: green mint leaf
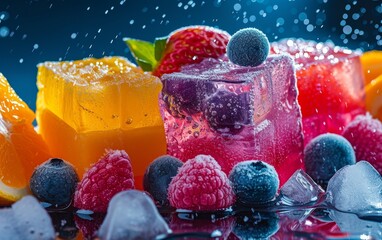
[159, 46]
[143, 52]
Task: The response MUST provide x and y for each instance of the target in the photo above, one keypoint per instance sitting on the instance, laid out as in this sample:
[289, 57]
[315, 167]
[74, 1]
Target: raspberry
[365, 135]
[109, 176]
[201, 185]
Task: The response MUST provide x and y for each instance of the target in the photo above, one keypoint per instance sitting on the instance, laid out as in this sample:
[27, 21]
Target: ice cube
[7, 225]
[235, 113]
[356, 188]
[132, 215]
[32, 220]
[300, 189]
[330, 83]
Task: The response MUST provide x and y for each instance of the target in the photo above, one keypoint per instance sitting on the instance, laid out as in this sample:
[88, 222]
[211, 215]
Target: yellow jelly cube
[87, 106]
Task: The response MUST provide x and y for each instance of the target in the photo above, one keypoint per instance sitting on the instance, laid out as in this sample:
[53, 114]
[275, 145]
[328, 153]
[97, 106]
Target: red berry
[201, 185]
[365, 135]
[191, 45]
[109, 176]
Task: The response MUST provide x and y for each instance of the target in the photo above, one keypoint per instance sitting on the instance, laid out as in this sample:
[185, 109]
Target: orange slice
[21, 148]
[372, 65]
[374, 97]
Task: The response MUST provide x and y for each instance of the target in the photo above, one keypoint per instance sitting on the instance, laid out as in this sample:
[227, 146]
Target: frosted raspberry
[109, 176]
[365, 135]
[201, 185]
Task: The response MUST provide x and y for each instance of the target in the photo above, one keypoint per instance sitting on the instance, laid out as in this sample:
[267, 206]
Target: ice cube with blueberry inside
[235, 113]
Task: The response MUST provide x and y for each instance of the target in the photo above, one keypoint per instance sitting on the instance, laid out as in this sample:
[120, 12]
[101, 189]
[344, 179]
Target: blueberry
[248, 47]
[254, 182]
[326, 154]
[259, 225]
[158, 176]
[227, 111]
[185, 96]
[54, 182]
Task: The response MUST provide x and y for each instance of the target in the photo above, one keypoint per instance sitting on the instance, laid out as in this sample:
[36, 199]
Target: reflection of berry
[228, 112]
[54, 182]
[365, 135]
[248, 47]
[201, 185]
[109, 176]
[64, 224]
[189, 223]
[256, 225]
[326, 154]
[158, 176]
[89, 227]
[254, 182]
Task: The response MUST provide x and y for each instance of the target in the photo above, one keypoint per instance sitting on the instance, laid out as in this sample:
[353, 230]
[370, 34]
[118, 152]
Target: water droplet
[4, 15]
[129, 121]
[73, 36]
[21, 60]
[122, 2]
[131, 21]
[347, 29]
[237, 7]
[4, 31]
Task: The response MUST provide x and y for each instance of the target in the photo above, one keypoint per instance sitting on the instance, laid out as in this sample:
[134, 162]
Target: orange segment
[372, 65]
[374, 97]
[21, 148]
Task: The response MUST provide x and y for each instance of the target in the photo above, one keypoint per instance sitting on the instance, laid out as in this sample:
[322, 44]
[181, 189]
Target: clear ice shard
[300, 189]
[132, 215]
[357, 189]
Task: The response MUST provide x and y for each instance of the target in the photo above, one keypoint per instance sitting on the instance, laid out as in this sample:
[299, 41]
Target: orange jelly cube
[87, 106]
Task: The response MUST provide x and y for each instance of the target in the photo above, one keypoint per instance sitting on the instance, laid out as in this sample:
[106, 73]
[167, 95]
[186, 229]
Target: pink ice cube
[235, 113]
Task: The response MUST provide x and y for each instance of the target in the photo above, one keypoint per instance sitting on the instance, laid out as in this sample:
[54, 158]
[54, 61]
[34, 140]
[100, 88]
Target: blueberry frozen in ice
[326, 154]
[227, 111]
[248, 47]
[158, 176]
[54, 182]
[132, 215]
[254, 182]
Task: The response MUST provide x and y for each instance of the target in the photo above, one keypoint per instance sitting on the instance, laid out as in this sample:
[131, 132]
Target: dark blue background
[34, 31]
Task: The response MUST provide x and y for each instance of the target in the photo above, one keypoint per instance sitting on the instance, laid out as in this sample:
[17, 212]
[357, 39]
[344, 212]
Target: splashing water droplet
[4, 31]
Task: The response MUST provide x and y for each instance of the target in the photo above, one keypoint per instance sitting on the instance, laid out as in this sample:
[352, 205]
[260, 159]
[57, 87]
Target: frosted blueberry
[248, 47]
[254, 182]
[326, 154]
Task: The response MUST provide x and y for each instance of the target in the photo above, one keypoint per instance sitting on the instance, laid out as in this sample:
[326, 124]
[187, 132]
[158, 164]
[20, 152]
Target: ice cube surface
[356, 188]
[7, 225]
[300, 189]
[242, 113]
[132, 215]
[31, 220]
